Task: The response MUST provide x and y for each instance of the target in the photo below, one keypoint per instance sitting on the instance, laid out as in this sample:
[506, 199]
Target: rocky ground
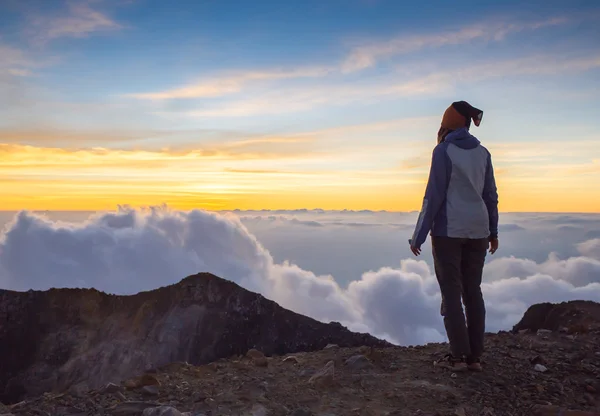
[526, 373]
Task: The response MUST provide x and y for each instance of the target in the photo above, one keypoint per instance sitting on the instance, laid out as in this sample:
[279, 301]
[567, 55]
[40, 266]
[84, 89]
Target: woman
[460, 209]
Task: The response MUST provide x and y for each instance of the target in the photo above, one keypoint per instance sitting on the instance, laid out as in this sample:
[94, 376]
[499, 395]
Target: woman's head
[458, 116]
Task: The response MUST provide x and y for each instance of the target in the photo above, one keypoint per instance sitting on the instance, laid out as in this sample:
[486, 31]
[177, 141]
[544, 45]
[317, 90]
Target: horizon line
[295, 210]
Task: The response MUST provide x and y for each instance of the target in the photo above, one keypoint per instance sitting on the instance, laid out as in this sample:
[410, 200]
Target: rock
[261, 362]
[305, 372]
[79, 389]
[540, 368]
[460, 412]
[111, 388]
[254, 354]
[150, 390]
[161, 411]
[537, 360]
[258, 358]
[590, 389]
[18, 405]
[301, 412]
[358, 362]
[331, 346]
[291, 359]
[523, 331]
[144, 380]
[325, 376]
[259, 410]
[543, 331]
[577, 316]
[364, 350]
[198, 396]
[131, 408]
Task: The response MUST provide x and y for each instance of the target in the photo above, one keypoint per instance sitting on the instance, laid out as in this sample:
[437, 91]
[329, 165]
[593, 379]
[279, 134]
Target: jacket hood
[463, 139]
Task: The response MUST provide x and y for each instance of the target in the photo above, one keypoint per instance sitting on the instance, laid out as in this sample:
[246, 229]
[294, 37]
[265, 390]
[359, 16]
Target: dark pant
[458, 266]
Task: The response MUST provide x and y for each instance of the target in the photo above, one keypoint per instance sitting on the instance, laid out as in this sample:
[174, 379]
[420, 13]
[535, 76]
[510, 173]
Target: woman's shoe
[456, 364]
[474, 364]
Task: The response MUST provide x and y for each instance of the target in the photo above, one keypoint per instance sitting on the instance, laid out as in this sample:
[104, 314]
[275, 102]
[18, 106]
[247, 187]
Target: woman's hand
[416, 251]
[493, 245]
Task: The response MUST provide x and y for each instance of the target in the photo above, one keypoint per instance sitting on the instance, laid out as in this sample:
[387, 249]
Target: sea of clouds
[350, 267]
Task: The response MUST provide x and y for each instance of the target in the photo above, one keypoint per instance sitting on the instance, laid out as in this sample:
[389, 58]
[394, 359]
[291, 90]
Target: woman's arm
[435, 194]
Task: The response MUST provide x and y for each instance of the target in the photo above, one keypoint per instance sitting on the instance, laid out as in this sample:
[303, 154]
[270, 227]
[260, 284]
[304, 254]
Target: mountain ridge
[51, 340]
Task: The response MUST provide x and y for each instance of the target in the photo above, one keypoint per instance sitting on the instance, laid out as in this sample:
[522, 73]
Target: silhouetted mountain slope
[52, 340]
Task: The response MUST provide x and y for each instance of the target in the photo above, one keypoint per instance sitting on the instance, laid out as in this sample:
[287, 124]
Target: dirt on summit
[529, 373]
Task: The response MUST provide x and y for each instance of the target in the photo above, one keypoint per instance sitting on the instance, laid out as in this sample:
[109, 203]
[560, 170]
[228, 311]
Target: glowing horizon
[123, 103]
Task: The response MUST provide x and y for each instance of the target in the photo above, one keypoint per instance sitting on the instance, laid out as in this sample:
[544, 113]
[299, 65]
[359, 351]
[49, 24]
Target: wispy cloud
[80, 21]
[14, 61]
[297, 99]
[231, 84]
[28, 175]
[367, 55]
[49, 135]
[360, 57]
[267, 141]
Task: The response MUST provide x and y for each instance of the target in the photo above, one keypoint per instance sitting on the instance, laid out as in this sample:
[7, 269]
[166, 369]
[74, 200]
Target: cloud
[288, 99]
[80, 21]
[367, 55]
[283, 220]
[53, 136]
[532, 65]
[361, 57]
[14, 61]
[48, 134]
[579, 271]
[590, 248]
[278, 220]
[231, 84]
[132, 250]
[510, 227]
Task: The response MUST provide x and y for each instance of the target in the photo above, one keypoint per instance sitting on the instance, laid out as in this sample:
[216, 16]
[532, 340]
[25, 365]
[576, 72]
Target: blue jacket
[461, 199]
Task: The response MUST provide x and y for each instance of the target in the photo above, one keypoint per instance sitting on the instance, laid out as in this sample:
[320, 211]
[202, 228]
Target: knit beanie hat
[459, 115]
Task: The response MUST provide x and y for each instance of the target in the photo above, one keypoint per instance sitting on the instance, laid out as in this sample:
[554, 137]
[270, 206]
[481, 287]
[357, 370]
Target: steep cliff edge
[53, 340]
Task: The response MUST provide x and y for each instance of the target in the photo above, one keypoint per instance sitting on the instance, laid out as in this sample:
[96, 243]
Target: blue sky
[145, 46]
[370, 77]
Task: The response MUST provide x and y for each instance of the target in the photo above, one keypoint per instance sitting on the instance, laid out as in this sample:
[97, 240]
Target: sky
[285, 104]
[352, 267]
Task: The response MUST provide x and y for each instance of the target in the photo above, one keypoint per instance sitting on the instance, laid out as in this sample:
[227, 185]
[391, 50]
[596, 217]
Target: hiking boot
[474, 364]
[456, 364]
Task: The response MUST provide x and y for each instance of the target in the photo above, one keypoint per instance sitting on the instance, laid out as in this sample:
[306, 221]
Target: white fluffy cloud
[590, 248]
[132, 250]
